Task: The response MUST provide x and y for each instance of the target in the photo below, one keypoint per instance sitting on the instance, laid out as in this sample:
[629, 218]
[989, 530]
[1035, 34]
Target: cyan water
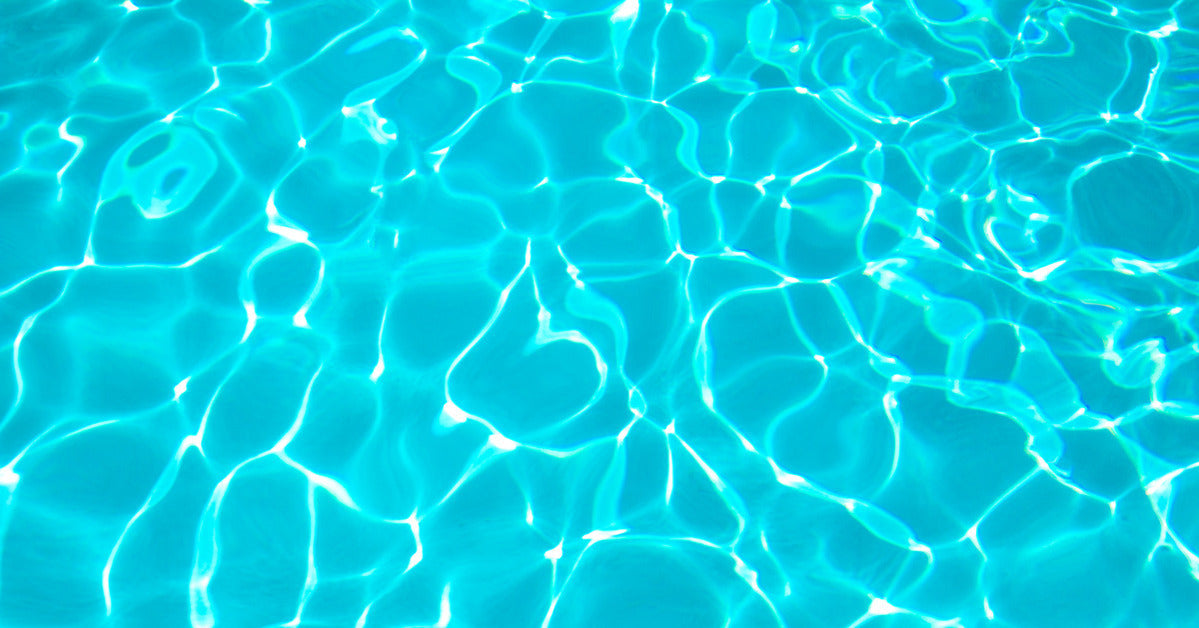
[599, 313]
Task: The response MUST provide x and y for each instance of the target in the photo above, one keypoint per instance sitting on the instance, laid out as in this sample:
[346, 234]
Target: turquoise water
[599, 313]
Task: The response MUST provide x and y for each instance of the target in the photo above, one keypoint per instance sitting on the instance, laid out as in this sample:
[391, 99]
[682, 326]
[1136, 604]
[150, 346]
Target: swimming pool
[602, 313]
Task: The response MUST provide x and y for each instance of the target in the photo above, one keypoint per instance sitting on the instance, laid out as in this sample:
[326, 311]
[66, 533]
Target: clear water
[598, 313]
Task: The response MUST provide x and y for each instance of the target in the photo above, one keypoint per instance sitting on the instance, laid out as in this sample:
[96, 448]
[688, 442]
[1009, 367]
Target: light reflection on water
[598, 313]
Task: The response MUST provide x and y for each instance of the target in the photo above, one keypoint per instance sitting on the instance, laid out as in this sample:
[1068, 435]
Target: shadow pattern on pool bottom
[599, 313]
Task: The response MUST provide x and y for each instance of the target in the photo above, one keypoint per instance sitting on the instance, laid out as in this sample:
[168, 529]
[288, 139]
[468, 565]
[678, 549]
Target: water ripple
[603, 313]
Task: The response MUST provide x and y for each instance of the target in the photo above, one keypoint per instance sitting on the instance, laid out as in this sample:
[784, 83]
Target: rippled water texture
[596, 313]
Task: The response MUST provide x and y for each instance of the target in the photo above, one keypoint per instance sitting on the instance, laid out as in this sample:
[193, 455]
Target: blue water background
[598, 313]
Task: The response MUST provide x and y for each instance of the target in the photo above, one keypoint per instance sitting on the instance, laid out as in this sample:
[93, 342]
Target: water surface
[599, 313]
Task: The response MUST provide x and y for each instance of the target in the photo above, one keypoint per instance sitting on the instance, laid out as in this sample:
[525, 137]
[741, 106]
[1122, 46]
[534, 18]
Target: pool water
[604, 313]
